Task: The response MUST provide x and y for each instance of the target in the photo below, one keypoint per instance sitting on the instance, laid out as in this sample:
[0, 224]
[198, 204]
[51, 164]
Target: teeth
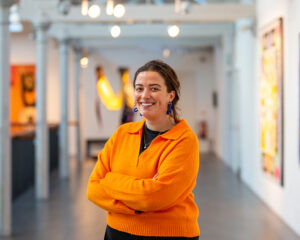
[146, 104]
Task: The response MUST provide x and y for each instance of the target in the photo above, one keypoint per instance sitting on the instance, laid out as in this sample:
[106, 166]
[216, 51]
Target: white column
[41, 139]
[79, 156]
[63, 128]
[5, 139]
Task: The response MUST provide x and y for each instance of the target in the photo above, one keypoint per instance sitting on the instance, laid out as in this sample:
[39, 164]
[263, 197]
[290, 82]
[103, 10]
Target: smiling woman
[152, 100]
[147, 170]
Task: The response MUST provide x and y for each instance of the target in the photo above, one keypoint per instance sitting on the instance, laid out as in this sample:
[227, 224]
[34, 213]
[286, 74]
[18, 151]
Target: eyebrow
[150, 85]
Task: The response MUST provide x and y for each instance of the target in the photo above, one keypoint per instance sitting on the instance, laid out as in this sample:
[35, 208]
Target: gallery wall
[283, 199]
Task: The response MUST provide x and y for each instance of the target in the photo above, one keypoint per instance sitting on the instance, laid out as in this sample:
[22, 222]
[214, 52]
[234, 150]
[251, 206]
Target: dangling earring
[170, 108]
[136, 110]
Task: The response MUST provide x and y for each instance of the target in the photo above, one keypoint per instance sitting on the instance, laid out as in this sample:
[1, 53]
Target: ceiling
[144, 24]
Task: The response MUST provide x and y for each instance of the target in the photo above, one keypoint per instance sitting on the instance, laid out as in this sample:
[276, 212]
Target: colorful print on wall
[299, 107]
[271, 100]
[22, 94]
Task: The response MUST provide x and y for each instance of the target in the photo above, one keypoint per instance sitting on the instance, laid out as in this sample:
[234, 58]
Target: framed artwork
[271, 100]
[22, 94]
[299, 106]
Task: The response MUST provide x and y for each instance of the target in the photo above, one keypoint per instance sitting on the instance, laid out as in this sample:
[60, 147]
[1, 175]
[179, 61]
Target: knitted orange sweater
[158, 182]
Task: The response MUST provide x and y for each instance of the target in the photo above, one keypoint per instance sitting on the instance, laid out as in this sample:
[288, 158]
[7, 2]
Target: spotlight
[119, 10]
[84, 8]
[115, 31]
[84, 62]
[110, 7]
[94, 11]
[173, 31]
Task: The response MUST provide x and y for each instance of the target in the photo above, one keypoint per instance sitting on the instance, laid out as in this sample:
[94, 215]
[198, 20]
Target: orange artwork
[271, 104]
[22, 94]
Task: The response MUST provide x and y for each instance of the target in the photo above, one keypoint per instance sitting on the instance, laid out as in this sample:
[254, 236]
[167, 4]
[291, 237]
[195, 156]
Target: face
[151, 95]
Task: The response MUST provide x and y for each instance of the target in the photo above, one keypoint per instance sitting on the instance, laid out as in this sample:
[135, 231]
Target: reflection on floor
[228, 209]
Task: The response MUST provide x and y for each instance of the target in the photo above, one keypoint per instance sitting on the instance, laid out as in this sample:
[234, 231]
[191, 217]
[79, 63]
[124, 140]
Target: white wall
[219, 71]
[283, 200]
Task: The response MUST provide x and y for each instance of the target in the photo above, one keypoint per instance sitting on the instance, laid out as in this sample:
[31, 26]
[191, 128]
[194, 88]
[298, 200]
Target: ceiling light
[84, 62]
[166, 53]
[173, 31]
[15, 24]
[119, 10]
[115, 31]
[16, 27]
[84, 7]
[110, 7]
[94, 11]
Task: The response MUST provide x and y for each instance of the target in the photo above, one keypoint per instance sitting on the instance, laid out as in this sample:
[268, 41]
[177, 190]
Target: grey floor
[228, 209]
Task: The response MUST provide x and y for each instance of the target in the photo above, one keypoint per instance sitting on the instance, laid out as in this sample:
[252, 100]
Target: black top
[147, 137]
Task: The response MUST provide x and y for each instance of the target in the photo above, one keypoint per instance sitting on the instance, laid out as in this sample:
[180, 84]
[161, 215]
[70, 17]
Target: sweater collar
[173, 133]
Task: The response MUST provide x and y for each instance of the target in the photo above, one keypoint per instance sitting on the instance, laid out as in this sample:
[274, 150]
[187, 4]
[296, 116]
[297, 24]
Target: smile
[147, 104]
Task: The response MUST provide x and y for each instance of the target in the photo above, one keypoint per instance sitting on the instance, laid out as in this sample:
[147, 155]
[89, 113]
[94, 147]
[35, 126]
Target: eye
[154, 89]
[138, 89]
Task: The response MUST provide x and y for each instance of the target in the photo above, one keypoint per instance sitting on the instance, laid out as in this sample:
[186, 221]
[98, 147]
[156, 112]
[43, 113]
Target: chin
[148, 116]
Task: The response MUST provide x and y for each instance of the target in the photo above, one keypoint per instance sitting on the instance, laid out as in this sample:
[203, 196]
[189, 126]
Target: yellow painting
[271, 101]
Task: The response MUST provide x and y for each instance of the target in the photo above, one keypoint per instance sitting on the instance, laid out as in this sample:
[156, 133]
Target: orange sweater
[159, 182]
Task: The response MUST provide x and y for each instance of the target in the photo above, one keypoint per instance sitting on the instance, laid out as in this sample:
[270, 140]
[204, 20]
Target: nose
[146, 93]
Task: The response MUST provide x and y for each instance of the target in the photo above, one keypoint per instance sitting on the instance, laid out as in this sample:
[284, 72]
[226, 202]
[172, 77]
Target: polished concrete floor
[228, 209]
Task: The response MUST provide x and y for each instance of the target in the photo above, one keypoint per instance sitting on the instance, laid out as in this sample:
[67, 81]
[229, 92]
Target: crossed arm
[116, 192]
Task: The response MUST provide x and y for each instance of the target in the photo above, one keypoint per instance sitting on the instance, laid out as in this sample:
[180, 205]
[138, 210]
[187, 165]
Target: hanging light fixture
[173, 31]
[15, 24]
[84, 8]
[119, 10]
[84, 62]
[115, 31]
[110, 7]
[94, 11]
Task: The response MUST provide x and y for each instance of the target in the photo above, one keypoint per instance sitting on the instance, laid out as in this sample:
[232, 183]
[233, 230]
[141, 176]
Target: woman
[147, 170]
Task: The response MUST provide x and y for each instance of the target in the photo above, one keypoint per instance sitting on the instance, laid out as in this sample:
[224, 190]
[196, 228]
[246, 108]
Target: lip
[146, 104]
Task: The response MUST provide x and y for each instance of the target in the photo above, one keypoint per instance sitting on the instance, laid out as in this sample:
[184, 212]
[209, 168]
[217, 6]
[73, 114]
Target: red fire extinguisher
[203, 129]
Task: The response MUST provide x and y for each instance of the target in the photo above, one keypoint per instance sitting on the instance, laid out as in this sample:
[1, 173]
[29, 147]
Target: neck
[160, 125]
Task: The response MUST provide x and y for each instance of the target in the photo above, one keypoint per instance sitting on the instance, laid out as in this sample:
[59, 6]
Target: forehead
[149, 77]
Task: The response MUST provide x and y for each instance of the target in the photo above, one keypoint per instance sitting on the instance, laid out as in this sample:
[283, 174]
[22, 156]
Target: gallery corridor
[228, 209]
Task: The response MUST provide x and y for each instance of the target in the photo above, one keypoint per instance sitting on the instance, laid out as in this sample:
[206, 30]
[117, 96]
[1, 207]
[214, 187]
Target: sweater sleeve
[175, 181]
[95, 190]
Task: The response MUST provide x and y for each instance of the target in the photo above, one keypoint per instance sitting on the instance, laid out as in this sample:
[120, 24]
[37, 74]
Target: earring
[135, 110]
[170, 108]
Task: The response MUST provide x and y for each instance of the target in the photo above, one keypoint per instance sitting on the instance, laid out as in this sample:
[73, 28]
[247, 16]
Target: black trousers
[113, 234]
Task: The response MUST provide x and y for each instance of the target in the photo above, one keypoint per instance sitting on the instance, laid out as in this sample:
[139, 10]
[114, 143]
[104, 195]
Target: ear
[172, 96]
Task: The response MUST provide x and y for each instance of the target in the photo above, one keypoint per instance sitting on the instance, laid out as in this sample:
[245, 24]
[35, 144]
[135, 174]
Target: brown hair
[170, 77]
